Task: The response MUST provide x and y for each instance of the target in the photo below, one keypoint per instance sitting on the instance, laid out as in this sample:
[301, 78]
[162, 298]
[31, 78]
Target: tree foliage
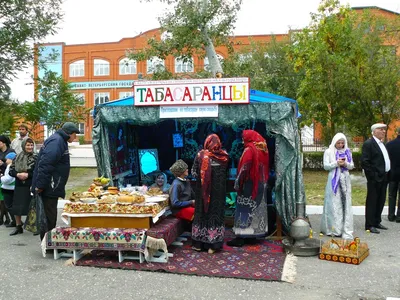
[345, 68]
[56, 104]
[23, 23]
[267, 65]
[192, 28]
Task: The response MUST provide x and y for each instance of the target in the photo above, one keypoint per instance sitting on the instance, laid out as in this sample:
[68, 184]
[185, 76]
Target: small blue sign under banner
[101, 84]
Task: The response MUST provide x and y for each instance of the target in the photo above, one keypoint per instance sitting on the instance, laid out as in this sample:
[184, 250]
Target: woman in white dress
[337, 218]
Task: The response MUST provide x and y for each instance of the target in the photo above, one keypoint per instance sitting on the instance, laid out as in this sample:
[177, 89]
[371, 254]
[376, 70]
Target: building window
[80, 97]
[207, 63]
[125, 94]
[81, 127]
[77, 69]
[100, 98]
[155, 64]
[183, 66]
[101, 67]
[127, 66]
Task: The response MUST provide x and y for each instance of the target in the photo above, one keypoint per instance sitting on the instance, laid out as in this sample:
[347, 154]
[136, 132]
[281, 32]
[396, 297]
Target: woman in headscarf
[251, 219]
[181, 194]
[161, 183]
[209, 168]
[22, 169]
[337, 217]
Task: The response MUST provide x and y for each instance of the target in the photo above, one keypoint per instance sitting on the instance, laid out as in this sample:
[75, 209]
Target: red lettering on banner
[187, 94]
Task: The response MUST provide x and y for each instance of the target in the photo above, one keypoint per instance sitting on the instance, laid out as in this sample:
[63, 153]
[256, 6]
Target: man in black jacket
[52, 170]
[376, 164]
[393, 148]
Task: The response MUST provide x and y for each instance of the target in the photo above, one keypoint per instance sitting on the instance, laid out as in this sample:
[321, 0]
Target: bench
[76, 240]
[150, 245]
[170, 230]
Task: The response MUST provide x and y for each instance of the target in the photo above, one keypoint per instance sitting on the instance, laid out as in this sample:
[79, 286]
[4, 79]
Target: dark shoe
[391, 218]
[380, 226]
[1, 221]
[373, 230]
[236, 242]
[12, 224]
[251, 241]
[17, 230]
[397, 220]
[8, 220]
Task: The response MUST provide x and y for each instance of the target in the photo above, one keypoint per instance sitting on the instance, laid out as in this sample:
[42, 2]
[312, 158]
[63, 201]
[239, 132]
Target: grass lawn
[315, 182]
[79, 180]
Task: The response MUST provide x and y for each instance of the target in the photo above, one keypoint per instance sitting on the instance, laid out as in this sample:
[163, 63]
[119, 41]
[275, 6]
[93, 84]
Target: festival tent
[274, 115]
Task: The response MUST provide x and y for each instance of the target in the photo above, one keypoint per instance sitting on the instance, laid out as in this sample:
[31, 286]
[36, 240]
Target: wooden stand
[111, 222]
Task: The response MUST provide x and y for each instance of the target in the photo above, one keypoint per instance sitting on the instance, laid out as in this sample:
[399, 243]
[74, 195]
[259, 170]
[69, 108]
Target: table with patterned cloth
[117, 239]
[77, 214]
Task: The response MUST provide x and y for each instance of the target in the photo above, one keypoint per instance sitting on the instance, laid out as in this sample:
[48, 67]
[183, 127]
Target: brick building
[101, 72]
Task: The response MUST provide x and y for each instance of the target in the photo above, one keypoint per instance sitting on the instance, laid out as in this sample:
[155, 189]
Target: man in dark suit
[393, 148]
[376, 164]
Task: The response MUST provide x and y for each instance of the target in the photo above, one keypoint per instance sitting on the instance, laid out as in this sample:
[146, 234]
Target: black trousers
[394, 190]
[376, 197]
[8, 201]
[50, 209]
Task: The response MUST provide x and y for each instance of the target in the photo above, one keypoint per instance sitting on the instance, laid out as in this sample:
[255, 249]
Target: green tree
[32, 113]
[23, 23]
[376, 88]
[57, 102]
[192, 27]
[342, 58]
[267, 65]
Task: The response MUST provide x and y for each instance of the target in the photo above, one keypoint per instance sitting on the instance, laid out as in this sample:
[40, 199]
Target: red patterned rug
[264, 261]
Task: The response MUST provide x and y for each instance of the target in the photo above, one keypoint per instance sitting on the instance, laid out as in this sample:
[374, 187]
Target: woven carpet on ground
[264, 261]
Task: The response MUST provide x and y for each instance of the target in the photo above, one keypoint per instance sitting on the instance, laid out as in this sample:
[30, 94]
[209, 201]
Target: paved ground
[25, 274]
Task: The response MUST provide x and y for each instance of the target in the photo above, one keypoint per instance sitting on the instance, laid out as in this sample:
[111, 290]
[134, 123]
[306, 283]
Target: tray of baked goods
[153, 195]
[97, 195]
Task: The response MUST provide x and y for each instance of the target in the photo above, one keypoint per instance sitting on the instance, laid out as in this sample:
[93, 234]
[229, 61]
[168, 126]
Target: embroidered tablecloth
[118, 239]
[128, 239]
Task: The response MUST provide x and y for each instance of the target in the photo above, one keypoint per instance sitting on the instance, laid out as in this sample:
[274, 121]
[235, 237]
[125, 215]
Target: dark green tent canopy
[278, 113]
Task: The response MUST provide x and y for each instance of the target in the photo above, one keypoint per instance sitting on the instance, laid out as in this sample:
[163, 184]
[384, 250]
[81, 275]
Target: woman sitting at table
[181, 193]
[161, 183]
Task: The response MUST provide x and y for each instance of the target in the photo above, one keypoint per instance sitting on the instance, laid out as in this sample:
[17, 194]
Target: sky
[96, 21]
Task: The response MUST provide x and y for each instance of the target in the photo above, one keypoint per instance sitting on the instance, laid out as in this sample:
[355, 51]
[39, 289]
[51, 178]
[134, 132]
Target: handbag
[36, 221]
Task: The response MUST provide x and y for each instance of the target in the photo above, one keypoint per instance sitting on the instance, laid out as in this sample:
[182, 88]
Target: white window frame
[101, 67]
[77, 68]
[127, 66]
[81, 97]
[207, 63]
[182, 66]
[125, 94]
[153, 64]
[81, 127]
[100, 98]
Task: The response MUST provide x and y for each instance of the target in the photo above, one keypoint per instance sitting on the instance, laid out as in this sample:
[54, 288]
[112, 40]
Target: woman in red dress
[251, 216]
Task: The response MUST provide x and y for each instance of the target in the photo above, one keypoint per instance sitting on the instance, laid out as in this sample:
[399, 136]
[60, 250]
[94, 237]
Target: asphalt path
[25, 274]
